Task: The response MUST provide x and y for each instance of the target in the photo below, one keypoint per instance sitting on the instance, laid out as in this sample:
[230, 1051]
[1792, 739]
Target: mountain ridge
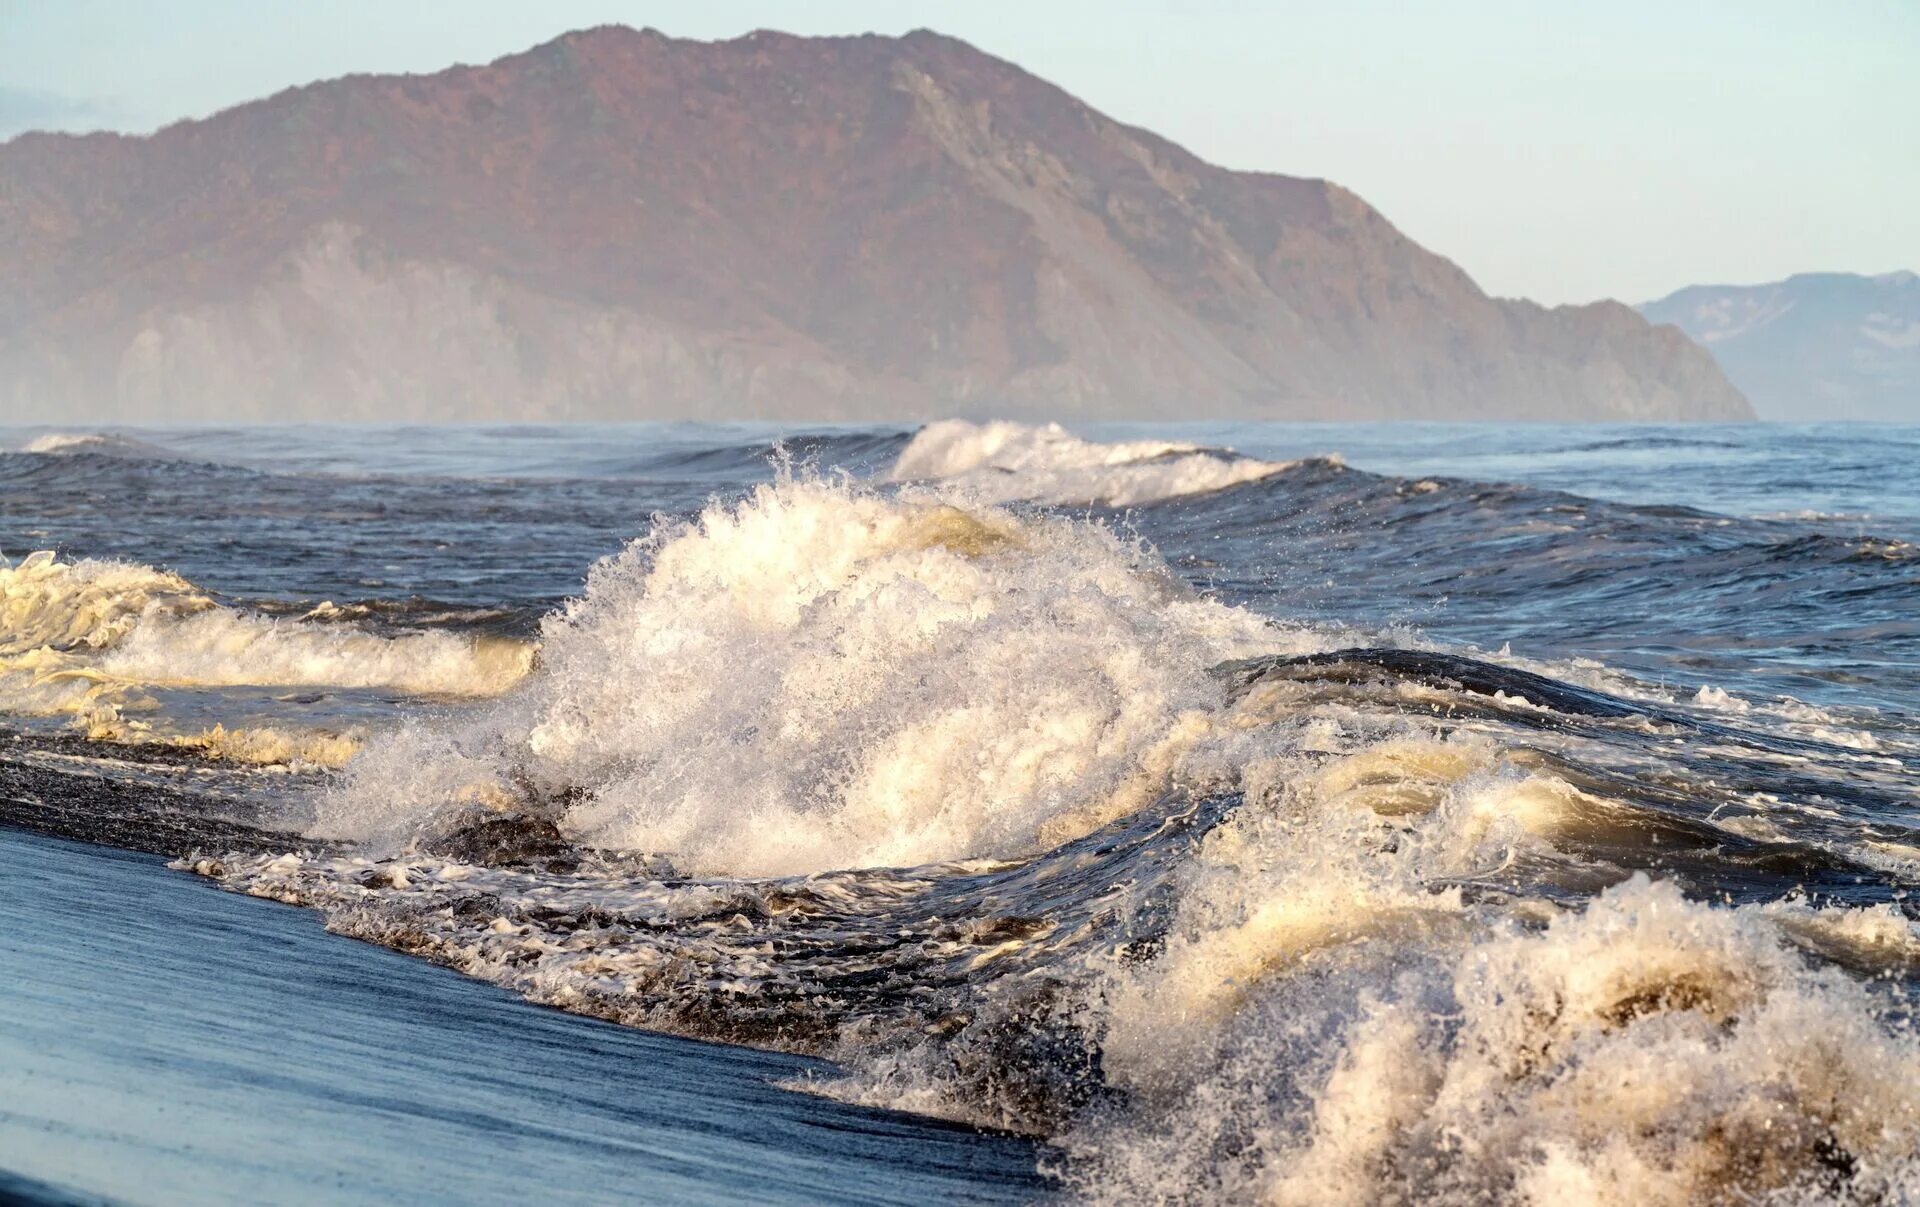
[619, 224]
[1814, 345]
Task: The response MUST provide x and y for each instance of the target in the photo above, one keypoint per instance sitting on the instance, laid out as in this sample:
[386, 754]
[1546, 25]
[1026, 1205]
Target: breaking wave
[820, 677]
[91, 640]
[992, 809]
[66, 444]
[1646, 1049]
[1002, 462]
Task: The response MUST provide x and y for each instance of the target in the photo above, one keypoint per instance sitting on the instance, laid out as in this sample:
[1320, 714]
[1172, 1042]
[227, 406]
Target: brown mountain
[621, 225]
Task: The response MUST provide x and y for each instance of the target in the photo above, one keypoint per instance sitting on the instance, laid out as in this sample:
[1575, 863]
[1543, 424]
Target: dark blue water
[1550, 789]
[1781, 553]
[264, 1061]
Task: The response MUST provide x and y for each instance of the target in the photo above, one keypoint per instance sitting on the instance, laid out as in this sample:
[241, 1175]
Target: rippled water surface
[1295, 812]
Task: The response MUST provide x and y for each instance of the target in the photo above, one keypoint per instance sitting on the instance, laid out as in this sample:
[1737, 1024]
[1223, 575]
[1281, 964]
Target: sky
[1558, 150]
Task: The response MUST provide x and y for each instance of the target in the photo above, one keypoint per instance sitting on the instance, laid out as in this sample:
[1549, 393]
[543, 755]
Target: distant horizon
[1554, 155]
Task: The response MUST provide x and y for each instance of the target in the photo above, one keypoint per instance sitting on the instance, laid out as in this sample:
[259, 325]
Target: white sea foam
[68, 443]
[223, 647]
[1720, 699]
[1003, 462]
[66, 606]
[62, 442]
[1362, 995]
[89, 639]
[260, 744]
[1328, 1024]
[1329, 1017]
[821, 677]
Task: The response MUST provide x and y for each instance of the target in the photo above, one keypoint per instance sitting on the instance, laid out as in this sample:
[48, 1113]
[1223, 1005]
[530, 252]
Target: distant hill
[618, 224]
[1823, 345]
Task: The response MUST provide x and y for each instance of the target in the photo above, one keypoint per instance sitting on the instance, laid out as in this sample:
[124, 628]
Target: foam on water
[990, 808]
[1390, 968]
[1327, 1024]
[1002, 462]
[267, 745]
[92, 639]
[1336, 1011]
[821, 677]
[220, 647]
[1646, 1050]
[57, 443]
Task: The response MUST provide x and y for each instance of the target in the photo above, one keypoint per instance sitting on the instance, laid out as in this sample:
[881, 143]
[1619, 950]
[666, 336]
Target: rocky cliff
[618, 224]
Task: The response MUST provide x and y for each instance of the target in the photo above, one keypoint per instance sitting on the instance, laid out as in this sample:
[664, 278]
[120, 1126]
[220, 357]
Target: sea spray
[981, 805]
[979, 801]
[823, 677]
[1004, 462]
[93, 641]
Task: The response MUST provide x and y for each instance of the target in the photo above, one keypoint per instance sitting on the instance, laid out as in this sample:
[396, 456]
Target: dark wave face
[1477, 814]
[1816, 609]
[485, 518]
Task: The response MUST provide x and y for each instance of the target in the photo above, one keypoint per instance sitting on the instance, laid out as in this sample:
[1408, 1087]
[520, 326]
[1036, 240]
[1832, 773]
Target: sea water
[1297, 813]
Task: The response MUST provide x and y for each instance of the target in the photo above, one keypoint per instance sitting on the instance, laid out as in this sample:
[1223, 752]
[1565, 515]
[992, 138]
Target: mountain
[618, 224]
[1821, 345]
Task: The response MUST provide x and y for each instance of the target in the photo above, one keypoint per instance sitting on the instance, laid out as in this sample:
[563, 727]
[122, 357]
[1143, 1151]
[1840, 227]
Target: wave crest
[1002, 462]
[1647, 1049]
[821, 677]
[110, 444]
[89, 639]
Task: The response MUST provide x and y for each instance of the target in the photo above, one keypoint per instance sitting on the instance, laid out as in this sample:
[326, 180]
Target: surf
[1058, 786]
[91, 640]
[989, 807]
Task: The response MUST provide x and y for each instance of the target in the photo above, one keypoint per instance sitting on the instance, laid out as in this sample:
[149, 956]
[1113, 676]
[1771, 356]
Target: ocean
[961, 812]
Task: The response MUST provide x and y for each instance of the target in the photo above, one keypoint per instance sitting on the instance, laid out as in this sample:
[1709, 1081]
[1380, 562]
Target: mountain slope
[622, 225]
[1815, 346]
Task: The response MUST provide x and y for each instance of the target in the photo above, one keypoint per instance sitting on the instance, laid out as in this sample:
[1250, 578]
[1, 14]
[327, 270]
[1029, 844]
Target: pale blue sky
[1557, 150]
